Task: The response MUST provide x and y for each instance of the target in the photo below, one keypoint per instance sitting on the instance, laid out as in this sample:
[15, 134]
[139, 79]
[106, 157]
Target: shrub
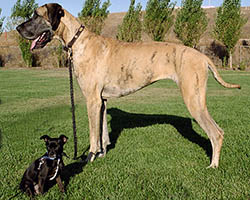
[21, 12]
[1, 61]
[61, 56]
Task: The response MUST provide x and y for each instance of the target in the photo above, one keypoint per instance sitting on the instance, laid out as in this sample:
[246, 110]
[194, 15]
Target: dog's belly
[114, 91]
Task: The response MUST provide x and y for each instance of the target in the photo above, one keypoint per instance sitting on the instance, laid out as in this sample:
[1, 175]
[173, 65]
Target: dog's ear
[63, 138]
[55, 12]
[46, 138]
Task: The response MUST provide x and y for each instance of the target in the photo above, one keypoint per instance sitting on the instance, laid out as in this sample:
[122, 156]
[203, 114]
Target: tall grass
[158, 151]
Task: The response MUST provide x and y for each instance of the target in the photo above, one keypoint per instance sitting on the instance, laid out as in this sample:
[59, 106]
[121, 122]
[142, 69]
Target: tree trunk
[230, 60]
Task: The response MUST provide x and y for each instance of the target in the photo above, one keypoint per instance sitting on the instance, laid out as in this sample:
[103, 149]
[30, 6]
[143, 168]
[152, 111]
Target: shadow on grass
[69, 171]
[121, 120]
[73, 169]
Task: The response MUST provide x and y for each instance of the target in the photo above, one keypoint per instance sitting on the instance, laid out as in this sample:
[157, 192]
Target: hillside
[11, 57]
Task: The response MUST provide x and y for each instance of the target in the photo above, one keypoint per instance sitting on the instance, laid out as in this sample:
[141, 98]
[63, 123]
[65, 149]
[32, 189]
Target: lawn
[158, 151]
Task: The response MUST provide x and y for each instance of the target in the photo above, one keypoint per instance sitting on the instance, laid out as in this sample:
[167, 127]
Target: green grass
[158, 150]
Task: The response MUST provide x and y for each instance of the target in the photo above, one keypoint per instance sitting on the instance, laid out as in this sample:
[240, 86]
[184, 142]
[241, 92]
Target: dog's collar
[49, 158]
[71, 43]
[46, 156]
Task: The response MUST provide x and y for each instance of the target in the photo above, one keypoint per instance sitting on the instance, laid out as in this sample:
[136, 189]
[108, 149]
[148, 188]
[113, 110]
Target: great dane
[106, 68]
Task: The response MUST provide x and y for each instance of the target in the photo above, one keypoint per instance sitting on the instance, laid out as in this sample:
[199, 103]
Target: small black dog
[46, 168]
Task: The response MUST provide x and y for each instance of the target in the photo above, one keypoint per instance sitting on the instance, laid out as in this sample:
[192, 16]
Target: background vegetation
[191, 22]
[158, 18]
[1, 22]
[1, 31]
[22, 11]
[93, 14]
[215, 50]
[131, 28]
[228, 25]
[158, 151]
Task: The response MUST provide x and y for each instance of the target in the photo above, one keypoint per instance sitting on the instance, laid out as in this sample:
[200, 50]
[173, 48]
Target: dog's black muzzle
[36, 29]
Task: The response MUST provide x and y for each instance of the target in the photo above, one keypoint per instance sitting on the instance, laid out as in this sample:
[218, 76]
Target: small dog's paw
[36, 188]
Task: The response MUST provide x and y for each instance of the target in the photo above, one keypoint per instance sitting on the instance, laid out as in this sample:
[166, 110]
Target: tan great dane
[108, 68]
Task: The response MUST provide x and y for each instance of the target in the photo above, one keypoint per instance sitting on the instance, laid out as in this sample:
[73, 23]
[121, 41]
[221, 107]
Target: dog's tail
[218, 78]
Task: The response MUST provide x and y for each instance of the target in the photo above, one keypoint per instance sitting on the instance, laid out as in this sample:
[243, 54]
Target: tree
[158, 18]
[131, 27]
[191, 22]
[10, 24]
[93, 15]
[1, 22]
[21, 12]
[228, 25]
[1, 31]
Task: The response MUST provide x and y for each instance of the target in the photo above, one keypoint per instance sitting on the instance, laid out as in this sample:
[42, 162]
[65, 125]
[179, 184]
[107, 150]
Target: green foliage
[22, 11]
[10, 24]
[93, 15]
[24, 46]
[131, 27]
[61, 56]
[1, 22]
[242, 66]
[228, 24]
[1, 31]
[158, 18]
[191, 22]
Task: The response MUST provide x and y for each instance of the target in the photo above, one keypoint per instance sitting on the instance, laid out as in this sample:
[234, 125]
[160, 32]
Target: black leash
[68, 48]
[72, 105]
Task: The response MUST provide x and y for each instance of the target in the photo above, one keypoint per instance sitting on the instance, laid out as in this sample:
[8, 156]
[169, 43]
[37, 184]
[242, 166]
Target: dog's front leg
[94, 105]
[60, 184]
[105, 141]
[39, 188]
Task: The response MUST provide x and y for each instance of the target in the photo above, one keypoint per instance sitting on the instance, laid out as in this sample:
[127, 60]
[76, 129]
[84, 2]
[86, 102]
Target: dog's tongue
[33, 45]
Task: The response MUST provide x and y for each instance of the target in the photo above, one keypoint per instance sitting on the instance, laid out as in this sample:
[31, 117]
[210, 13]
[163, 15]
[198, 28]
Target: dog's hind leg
[193, 88]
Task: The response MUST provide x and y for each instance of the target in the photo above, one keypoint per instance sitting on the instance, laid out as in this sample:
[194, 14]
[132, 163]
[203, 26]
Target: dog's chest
[49, 168]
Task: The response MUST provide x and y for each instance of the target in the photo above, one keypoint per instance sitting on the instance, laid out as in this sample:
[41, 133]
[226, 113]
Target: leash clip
[70, 54]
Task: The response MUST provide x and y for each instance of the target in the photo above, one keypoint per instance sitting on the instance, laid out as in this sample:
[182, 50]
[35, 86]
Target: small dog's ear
[45, 138]
[63, 138]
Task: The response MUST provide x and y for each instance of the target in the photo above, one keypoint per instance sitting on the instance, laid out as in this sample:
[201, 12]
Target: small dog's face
[54, 145]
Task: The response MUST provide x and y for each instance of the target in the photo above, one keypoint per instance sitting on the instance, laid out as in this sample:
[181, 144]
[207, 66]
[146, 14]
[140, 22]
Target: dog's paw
[91, 157]
[213, 166]
[101, 154]
[37, 190]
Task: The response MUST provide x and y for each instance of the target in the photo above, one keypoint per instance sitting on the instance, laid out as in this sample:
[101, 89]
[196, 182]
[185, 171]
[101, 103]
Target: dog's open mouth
[41, 40]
